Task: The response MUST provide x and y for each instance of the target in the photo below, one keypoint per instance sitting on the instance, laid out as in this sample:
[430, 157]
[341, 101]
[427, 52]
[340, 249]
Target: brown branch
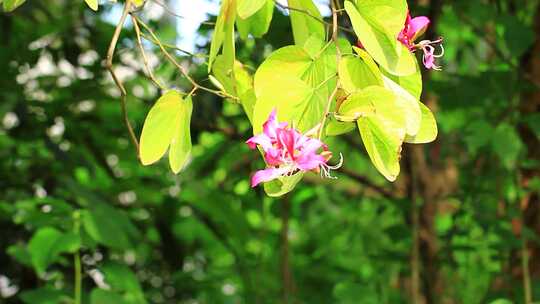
[286, 273]
[119, 84]
[368, 183]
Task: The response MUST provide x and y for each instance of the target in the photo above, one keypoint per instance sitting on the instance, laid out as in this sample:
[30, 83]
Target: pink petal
[266, 175]
[272, 125]
[417, 27]
[287, 140]
[310, 161]
[274, 157]
[264, 141]
[428, 60]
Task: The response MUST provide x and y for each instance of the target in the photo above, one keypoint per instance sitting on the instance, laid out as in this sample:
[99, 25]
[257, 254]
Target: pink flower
[414, 28]
[287, 151]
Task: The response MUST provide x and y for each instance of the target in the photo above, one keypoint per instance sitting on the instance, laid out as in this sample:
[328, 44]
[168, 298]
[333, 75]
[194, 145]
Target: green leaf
[335, 127]
[383, 131]
[11, 5]
[47, 244]
[296, 83]
[356, 74]
[409, 105]
[507, 144]
[258, 24]
[428, 128]
[411, 83]
[296, 102]
[93, 4]
[305, 20]
[282, 185]
[44, 295]
[375, 25]
[108, 226]
[181, 141]
[167, 123]
[100, 296]
[223, 35]
[123, 280]
[362, 103]
[246, 8]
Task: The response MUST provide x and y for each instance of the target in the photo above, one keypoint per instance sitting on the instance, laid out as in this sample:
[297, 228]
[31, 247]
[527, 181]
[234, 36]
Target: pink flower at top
[414, 28]
[287, 151]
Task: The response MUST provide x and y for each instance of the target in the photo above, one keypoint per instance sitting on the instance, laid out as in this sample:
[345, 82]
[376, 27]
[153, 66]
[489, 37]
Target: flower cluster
[287, 151]
[414, 28]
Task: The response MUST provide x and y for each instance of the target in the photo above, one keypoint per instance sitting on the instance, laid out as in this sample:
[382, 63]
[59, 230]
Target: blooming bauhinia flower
[287, 151]
[414, 28]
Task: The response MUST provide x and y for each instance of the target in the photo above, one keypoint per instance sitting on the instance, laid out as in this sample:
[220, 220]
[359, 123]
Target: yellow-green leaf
[304, 20]
[246, 8]
[409, 104]
[258, 23]
[282, 185]
[223, 35]
[167, 124]
[181, 141]
[138, 2]
[383, 130]
[428, 128]
[93, 4]
[375, 26]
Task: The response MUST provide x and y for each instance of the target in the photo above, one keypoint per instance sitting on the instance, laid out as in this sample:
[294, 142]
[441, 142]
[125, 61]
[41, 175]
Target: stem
[288, 284]
[77, 261]
[143, 53]
[181, 68]
[78, 277]
[109, 65]
[527, 292]
[338, 57]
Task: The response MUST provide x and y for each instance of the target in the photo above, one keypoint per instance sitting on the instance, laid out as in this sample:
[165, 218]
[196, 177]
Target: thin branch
[338, 57]
[109, 65]
[180, 67]
[368, 183]
[174, 47]
[143, 53]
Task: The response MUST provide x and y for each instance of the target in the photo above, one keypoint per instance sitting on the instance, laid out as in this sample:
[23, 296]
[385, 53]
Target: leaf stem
[143, 53]
[77, 261]
[338, 57]
[119, 84]
[181, 68]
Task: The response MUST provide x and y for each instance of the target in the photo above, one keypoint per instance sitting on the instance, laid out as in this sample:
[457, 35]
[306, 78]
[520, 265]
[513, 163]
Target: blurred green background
[460, 225]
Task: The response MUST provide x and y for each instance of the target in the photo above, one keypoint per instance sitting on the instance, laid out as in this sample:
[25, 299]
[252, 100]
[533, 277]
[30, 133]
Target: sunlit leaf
[223, 35]
[11, 5]
[93, 4]
[167, 124]
[375, 26]
[257, 24]
[282, 185]
[409, 105]
[246, 8]
[306, 20]
[428, 128]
